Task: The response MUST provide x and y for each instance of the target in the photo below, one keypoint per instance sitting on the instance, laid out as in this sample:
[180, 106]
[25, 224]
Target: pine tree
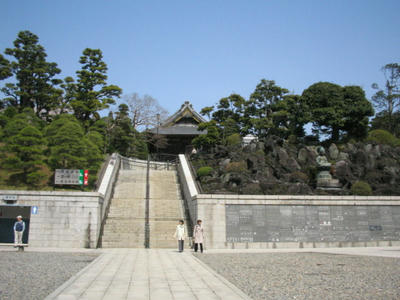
[67, 147]
[92, 92]
[25, 155]
[35, 82]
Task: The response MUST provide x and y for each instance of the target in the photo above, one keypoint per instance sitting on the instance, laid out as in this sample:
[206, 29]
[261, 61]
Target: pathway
[147, 274]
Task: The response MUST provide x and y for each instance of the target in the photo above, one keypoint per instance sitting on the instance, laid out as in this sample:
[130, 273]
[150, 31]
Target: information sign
[34, 210]
[71, 177]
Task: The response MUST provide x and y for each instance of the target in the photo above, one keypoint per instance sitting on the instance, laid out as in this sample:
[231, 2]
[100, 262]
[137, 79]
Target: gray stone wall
[247, 221]
[307, 223]
[63, 219]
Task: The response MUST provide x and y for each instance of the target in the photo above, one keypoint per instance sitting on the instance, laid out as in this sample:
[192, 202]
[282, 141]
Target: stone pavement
[147, 274]
[365, 251]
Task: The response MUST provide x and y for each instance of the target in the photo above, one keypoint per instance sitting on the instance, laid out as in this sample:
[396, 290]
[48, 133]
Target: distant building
[248, 139]
[179, 130]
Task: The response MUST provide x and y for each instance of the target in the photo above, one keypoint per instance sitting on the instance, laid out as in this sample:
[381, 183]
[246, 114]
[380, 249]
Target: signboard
[34, 210]
[71, 177]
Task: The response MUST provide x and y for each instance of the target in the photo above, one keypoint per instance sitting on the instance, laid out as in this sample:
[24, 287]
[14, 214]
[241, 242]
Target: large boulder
[307, 156]
[343, 156]
[343, 172]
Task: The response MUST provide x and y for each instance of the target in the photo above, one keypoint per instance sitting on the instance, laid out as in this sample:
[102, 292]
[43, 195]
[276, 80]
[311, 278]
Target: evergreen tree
[289, 116]
[229, 114]
[357, 112]
[260, 107]
[35, 82]
[25, 155]
[387, 122]
[122, 134]
[66, 145]
[337, 110]
[5, 68]
[327, 108]
[15, 122]
[210, 139]
[94, 158]
[140, 149]
[92, 92]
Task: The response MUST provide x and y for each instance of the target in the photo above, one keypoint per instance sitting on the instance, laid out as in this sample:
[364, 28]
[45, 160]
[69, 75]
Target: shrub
[361, 188]
[234, 139]
[204, 171]
[237, 167]
[381, 136]
[298, 177]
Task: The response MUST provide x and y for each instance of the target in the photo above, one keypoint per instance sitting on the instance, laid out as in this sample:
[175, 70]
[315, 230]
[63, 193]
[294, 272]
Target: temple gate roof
[184, 122]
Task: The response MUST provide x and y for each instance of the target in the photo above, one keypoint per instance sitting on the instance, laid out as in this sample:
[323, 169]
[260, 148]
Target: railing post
[147, 212]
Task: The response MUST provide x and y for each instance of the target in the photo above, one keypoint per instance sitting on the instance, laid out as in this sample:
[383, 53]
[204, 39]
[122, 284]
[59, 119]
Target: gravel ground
[34, 275]
[309, 275]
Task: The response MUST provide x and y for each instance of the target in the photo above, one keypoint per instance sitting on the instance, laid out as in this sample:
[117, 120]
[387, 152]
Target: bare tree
[388, 98]
[144, 111]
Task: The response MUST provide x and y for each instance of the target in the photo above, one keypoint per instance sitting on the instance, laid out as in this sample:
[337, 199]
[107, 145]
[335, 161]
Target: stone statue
[322, 161]
[324, 177]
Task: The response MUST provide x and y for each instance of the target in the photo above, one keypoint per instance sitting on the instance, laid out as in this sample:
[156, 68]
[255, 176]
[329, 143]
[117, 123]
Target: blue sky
[205, 50]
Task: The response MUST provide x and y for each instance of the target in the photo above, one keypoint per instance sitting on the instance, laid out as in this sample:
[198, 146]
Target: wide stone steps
[124, 227]
[125, 224]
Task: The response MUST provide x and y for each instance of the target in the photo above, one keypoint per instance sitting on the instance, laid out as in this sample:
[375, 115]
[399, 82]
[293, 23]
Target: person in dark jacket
[19, 228]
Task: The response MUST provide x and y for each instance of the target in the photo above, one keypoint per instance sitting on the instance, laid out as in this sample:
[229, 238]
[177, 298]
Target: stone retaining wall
[63, 219]
[273, 221]
[66, 219]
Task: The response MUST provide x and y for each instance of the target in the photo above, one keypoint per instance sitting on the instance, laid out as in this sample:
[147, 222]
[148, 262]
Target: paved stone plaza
[333, 273]
[147, 274]
[34, 275]
[350, 273]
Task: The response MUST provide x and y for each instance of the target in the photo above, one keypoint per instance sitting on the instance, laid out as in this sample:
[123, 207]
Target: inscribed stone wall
[301, 223]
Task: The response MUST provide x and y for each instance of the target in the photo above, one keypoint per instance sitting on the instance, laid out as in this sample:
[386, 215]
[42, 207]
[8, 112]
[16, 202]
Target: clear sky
[205, 50]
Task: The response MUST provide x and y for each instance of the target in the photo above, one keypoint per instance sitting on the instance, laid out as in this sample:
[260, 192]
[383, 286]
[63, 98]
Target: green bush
[204, 171]
[361, 188]
[234, 139]
[381, 136]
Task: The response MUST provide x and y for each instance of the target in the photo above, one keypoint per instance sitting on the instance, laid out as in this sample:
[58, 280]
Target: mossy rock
[298, 177]
[236, 167]
[252, 189]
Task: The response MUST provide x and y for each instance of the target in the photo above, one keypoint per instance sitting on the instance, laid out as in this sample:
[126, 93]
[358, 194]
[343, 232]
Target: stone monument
[324, 177]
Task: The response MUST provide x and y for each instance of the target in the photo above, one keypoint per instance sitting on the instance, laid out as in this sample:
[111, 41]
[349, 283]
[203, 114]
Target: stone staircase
[125, 223]
[166, 208]
[124, 227]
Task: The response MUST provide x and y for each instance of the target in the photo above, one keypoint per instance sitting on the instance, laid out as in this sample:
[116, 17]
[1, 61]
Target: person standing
[19, 228]
[198, 236]
[180, 235]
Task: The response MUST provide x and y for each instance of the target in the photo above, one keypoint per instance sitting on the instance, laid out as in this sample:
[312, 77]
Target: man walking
[19, 228]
